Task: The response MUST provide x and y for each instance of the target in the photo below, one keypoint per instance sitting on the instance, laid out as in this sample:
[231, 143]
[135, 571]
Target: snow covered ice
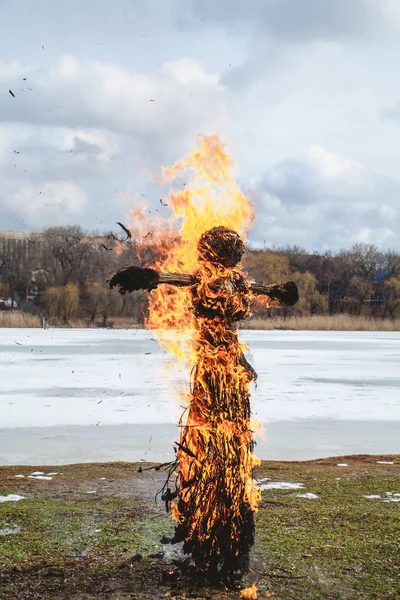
[69, 371]
[102, 394]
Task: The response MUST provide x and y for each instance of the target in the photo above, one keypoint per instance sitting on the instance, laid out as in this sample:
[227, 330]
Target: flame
[249, 593]
[217, 494]
[264, 302]
[119, 248]
[211, 197]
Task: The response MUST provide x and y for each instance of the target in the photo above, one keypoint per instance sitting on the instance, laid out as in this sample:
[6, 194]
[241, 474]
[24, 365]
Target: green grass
[79, 546]
[52, 530]
[340, 545]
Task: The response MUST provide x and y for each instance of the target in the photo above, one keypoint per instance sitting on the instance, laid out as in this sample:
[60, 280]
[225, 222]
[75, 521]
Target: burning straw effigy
[210, 489]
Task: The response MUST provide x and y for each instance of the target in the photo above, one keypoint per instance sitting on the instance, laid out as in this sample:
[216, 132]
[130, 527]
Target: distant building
[20, 243]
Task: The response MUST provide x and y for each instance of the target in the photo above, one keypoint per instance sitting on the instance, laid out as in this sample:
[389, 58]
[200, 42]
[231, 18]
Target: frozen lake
[95, 395]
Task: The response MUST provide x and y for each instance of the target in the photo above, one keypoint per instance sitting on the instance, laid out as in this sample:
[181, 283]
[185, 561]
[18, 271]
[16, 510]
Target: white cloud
[4, 144]
[54, 203]
[322, 200]
[333, 166]
[388, 212]
[89, 141]
[295, 20]
[101, 127]
[179, 99]
[381, 236]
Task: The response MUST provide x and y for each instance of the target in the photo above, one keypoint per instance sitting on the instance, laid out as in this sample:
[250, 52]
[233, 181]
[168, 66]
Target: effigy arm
[134, 279]
[286, 293]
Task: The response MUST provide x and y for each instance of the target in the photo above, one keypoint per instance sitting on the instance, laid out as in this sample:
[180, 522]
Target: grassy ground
[79, 545]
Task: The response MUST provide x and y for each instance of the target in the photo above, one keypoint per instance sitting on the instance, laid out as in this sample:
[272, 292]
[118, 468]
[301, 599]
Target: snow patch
[309, 495]
[10, 530]
[384, 462]
[372, 497]
[11, 498]
[52, 474]
[281, 485]
[19, 476]
[92, 492]
[44, 477]
[37, 473]
[342, 465]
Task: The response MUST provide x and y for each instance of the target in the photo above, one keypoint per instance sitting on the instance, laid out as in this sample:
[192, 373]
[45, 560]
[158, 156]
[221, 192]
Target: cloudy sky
[307, 92]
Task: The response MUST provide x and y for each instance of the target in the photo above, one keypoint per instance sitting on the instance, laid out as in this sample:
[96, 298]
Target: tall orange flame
[211, 197]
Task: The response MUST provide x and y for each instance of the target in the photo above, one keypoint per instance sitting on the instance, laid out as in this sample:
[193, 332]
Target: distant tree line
[360, 281]
[62, 274]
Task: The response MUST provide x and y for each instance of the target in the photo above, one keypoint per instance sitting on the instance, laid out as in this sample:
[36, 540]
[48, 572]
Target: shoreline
[384, 459]
[338, 322]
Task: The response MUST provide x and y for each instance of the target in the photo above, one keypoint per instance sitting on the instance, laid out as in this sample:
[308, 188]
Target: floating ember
[213, 497]
[169, 574]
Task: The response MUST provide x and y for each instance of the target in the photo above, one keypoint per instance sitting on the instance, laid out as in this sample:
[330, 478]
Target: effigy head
[221, 246]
